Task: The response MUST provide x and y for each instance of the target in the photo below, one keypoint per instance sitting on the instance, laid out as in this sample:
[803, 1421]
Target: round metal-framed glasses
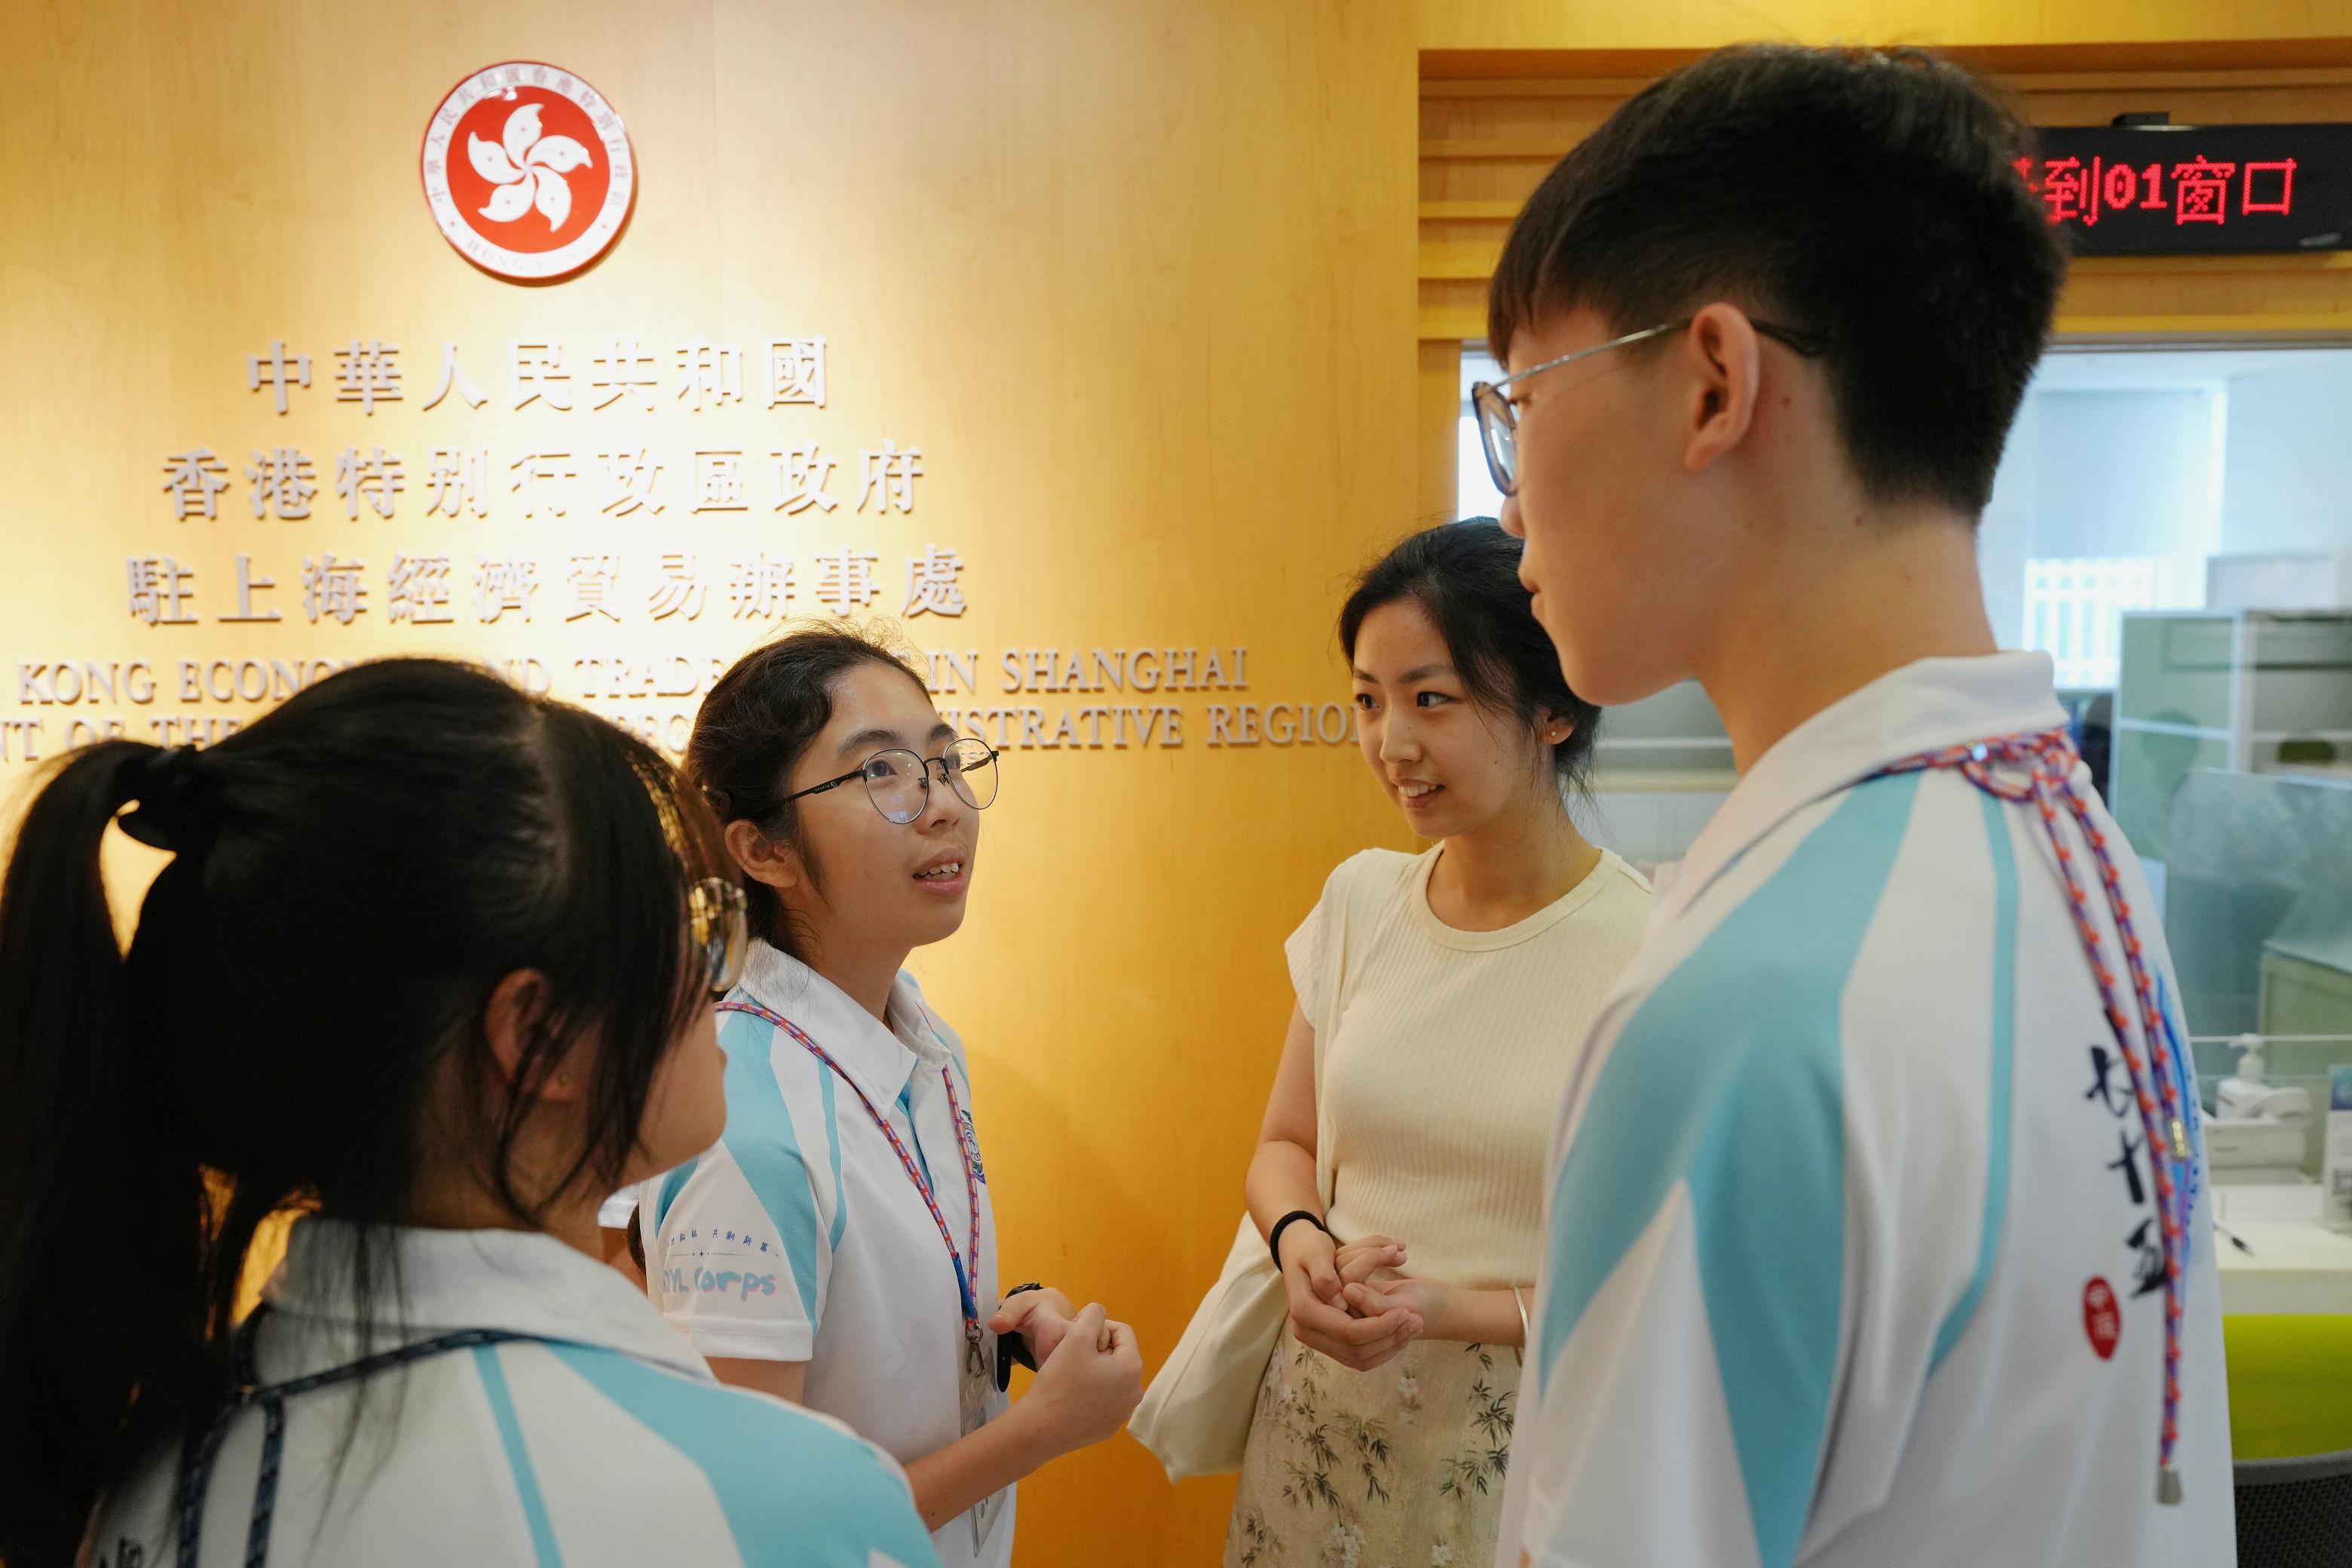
[899, 782]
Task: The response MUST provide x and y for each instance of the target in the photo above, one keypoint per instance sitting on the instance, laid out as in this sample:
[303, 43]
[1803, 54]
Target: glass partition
[2258, 912]
[2259, 892]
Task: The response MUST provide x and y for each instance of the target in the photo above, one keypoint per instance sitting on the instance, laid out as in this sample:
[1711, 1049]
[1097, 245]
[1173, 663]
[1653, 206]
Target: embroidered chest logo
[970, 1137]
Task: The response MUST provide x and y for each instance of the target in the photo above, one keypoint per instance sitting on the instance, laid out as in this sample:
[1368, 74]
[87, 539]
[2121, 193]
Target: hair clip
[164, 784]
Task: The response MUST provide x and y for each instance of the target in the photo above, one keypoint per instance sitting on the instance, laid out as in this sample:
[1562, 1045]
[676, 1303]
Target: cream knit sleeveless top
[1447, 1055]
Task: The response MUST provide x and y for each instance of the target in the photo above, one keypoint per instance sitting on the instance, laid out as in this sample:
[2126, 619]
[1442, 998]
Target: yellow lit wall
[1943, 24]
[1139, 281]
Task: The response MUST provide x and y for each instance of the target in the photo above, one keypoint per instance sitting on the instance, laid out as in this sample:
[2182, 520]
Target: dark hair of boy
[352, 874]
[755, 724]
[1867, 198]
[1465, 577]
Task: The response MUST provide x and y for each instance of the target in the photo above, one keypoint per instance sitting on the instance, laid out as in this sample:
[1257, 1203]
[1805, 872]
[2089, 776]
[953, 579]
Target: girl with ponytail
[432, 962]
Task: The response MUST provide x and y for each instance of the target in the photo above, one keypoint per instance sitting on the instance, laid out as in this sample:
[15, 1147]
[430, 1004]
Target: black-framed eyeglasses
[1498, 422]
[717, 920]
[899, 782]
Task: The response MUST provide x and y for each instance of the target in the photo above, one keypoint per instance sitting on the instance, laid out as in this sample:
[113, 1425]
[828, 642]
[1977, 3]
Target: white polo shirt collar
[878, 1058]
[523, 1282]
[1922, 707]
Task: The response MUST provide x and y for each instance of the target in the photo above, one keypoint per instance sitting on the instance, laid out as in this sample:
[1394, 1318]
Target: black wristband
[1273, 1237]
[1012, 1347]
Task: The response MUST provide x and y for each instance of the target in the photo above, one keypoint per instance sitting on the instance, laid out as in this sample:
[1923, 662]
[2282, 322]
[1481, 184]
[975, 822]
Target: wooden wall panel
[1487, 141]
[2172, 28]
[1138, 277]
[1439, 410]
[1141, 278]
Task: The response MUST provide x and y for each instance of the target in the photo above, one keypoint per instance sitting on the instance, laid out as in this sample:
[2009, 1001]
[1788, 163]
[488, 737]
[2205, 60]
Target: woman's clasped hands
[1347, 1301]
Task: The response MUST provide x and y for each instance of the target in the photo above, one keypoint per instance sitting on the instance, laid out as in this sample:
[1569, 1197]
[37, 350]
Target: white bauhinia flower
[528, 169]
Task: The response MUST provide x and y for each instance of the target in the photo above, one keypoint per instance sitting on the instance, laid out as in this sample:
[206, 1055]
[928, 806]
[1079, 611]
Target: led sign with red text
[2168, 189]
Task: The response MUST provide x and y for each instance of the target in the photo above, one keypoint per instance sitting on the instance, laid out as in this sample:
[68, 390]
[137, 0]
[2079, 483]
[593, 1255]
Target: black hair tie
[167, 787]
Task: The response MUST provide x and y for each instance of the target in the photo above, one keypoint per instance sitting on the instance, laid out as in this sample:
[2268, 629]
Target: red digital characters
[2200, 189]
[2285, 170]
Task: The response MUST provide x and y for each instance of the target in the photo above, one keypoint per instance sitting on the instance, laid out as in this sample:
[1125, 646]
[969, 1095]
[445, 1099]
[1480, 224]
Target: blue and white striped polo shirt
[608, 1446]
[800, 1237]
[1850, 1240]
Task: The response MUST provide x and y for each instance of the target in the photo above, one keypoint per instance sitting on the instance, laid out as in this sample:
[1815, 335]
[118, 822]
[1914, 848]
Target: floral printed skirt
[1401, 1466]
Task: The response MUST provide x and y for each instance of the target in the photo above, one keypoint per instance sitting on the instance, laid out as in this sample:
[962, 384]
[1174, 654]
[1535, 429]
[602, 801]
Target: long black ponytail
[350, 878]
[104, 1233]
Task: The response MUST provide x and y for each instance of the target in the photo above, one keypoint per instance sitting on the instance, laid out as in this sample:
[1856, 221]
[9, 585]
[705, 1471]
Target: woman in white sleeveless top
[1446, 996]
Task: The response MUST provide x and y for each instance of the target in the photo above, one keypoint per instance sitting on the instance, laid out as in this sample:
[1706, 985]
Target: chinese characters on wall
[353, 557]
[284, 483]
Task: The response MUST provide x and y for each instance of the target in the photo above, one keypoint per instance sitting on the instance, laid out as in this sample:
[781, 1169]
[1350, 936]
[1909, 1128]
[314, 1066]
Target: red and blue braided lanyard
[2159, 1084]
[967, 1264]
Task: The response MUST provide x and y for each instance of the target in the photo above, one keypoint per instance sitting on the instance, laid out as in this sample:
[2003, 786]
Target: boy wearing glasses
[1875, 1231]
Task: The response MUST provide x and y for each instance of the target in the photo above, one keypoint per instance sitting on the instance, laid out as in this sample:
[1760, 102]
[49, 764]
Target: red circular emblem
[528, 171]
[2102, 1317]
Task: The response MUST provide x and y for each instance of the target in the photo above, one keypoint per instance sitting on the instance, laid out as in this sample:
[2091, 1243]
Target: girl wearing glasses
[838, 1246]
[1442, 997]
[431, 962]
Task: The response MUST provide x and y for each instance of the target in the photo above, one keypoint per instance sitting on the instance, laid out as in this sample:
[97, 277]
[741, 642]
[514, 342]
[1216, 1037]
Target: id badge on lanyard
[973, 1377]
[974, 1385]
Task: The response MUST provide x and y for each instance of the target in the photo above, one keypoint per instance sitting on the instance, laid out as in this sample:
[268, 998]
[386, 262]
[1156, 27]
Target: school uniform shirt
[1852, 1252]
[603, 1443]
[801, 1237]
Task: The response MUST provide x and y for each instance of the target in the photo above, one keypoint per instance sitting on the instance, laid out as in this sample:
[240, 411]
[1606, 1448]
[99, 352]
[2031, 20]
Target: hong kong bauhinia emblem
[528, 171]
